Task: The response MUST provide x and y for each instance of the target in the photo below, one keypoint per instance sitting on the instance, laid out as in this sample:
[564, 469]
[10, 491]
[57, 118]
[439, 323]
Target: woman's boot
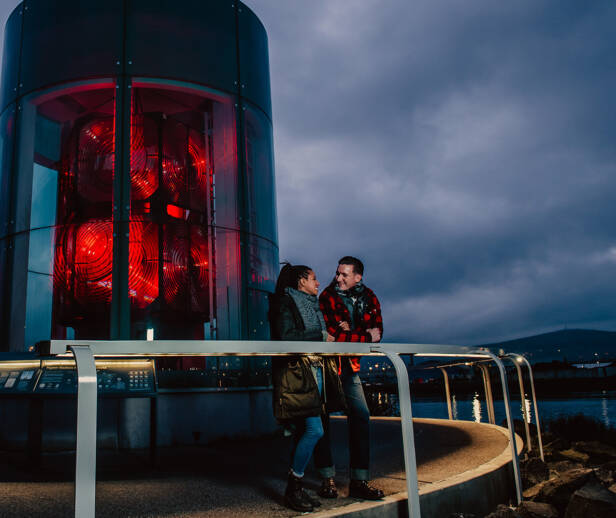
[294, 495]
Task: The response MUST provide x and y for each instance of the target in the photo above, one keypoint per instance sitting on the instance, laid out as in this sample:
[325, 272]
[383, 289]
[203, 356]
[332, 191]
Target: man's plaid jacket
[335, 311]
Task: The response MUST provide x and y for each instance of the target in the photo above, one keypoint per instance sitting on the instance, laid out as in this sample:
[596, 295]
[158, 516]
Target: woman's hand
[344, 326]
[330, 338]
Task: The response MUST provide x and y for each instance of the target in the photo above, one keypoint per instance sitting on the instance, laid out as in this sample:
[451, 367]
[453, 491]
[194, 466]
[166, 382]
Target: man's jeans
[359, 431]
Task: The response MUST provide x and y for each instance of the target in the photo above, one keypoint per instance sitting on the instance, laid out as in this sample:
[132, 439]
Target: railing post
[408, 437]
[532, 389]
[85, 464]
[447, 392]
[529, 444]
[487, 387]
[514, 449]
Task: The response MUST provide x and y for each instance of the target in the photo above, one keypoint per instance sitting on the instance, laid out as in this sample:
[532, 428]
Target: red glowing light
[143, 164]
[176, 212]
[186, 268]
[83, 261]
[173, 176]
[95, 158]
[143, 263]
[196, 150]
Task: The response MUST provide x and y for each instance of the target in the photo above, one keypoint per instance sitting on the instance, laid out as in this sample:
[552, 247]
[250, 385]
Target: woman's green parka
[295, 389]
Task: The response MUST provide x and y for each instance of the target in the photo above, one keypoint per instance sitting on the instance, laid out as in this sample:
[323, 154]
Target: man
[352, 313]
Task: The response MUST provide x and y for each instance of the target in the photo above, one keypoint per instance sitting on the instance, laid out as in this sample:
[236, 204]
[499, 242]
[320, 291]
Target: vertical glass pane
[181, 155]
[7, 125]
[64, 191]
[260, 172]
[228, 292]
[3, 305]
[263, 258]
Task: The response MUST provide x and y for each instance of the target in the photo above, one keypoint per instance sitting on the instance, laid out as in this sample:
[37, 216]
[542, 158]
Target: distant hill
[572, 345]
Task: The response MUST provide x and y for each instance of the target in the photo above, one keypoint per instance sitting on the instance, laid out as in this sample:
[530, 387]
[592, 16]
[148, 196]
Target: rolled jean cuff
[360, 474]
[327, 471]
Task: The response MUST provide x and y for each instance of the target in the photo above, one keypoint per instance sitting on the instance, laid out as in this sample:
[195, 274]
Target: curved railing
[85, 351]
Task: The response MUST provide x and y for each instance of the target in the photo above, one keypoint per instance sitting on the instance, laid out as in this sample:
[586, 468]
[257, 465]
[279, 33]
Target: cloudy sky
[463, 149]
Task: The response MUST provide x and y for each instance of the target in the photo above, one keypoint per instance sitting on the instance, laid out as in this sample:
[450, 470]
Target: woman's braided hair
[290, 276]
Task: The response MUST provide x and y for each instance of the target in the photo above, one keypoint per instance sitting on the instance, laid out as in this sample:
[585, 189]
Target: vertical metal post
[532, 389]
[487, 387]
[447, 392]
[408, 437]
[85, 472]
[529, 444]
[119, 326]
[514, 450]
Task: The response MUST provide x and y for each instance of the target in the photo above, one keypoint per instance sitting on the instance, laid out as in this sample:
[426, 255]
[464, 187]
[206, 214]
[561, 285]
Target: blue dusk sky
[463, 149]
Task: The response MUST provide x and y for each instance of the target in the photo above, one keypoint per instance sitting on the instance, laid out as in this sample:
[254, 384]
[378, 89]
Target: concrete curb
[478, 490]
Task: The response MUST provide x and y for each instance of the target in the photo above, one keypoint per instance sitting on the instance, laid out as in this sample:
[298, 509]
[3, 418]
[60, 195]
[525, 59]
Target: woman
[305, 386]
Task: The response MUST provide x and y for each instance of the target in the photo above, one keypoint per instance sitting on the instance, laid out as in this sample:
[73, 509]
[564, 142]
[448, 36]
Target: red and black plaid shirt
[335, 311]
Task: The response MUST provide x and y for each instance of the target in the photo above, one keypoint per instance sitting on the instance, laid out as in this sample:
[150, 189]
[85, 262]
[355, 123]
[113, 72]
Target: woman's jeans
[312, 432]
[358, 422]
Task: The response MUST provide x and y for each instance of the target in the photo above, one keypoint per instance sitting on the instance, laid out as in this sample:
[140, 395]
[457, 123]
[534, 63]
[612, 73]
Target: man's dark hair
[358, 266]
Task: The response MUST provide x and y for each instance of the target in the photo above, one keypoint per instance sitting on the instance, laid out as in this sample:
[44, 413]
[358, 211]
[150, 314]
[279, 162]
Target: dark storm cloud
[464, 150]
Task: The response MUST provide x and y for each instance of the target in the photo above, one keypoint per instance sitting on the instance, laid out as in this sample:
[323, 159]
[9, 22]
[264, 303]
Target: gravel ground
[235, 478]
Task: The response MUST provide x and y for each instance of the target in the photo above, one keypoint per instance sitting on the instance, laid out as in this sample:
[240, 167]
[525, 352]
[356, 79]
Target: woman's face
[309, 285]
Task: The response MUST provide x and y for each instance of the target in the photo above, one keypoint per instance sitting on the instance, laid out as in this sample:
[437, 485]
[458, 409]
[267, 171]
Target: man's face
[346, 277]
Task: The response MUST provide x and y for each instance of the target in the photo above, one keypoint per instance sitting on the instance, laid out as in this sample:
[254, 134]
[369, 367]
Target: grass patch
[580, 427]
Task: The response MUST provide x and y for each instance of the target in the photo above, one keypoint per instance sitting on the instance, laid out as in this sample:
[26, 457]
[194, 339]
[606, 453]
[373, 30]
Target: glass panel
[68, 40]
[10, 58]
[263, 261]
[3, 313]
[181, 158]
[260, 172]
[63, 206]
[7, 125]
[258, 306]
[193, 39]
[7, 129]
[254, 60]
[228, 291]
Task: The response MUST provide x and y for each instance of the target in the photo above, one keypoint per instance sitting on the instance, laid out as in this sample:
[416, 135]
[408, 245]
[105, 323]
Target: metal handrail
[84, 352]
[517, 359]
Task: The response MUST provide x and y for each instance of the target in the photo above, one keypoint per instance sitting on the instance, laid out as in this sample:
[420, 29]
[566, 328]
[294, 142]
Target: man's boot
[328, 488]
[361, 489]
[294, 495]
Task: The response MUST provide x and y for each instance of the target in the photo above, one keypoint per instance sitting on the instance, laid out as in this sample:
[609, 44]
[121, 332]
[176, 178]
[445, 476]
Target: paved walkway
[237, 478]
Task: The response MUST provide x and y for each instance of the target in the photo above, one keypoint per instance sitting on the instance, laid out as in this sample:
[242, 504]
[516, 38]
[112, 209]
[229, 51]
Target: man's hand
[375, 333]
[344, 326]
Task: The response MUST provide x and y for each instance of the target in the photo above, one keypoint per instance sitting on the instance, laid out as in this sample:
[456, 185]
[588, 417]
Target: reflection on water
[601, 406]
[604, 412]
[525, 410]
[476, 408]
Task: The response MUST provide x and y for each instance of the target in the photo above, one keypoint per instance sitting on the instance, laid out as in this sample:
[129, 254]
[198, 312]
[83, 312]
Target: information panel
[58, 377]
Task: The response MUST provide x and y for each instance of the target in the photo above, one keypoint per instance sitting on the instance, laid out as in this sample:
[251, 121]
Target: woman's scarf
[308, 307]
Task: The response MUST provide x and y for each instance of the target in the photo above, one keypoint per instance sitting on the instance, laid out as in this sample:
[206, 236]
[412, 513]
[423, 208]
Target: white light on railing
[150, 334]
